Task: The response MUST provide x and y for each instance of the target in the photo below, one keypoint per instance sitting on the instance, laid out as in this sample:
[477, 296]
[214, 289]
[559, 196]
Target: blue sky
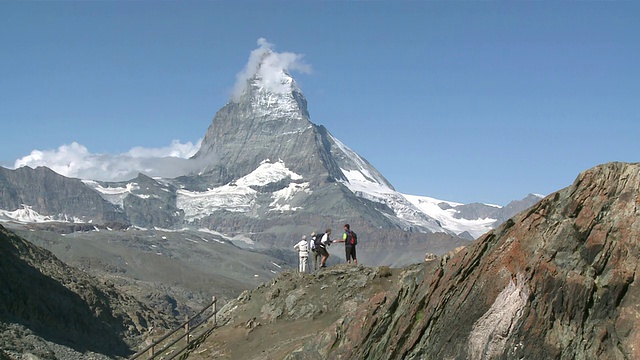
[462, 101]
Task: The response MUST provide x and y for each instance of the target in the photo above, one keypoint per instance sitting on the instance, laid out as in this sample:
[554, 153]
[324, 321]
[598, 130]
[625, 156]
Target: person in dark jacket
[316, 253]
[349, 240]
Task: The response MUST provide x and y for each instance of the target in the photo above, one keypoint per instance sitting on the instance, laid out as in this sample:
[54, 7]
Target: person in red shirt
[350, 239]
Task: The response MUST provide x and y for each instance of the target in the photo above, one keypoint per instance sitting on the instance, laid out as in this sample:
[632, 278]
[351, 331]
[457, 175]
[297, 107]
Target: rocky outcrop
[555, 282]
[558, 281]
[278, 318]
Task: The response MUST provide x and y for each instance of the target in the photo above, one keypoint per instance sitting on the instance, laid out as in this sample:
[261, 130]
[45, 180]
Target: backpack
[316, 240]
[352, 238]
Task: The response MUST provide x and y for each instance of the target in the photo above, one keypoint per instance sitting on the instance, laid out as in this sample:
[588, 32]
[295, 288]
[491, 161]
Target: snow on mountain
[236, 239]
[364, 172]
[114, 195]
[281, 197]
[446, 215]
[363, 185]
[417, 210]
[240, 196]
[267, 103]
[229, 197]
[268, 173]
[27, 215]
[414, 210]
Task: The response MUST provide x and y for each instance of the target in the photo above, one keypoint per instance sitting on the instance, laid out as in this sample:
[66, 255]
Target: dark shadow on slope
[49, 309]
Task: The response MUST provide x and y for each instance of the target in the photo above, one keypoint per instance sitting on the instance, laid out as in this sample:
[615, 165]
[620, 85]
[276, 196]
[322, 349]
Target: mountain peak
[266, 83]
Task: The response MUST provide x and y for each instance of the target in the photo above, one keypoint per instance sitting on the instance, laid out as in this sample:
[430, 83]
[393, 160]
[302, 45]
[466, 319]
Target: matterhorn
[264, 176]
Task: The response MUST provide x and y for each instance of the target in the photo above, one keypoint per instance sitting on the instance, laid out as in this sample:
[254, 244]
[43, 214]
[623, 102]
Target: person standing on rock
[303, 254]
[315, 251]
[323, 245]
[350, 240]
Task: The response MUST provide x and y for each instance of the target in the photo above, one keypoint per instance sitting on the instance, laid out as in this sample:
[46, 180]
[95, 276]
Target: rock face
[558, 281]
[156, 206]
[42, 297]
[269, 120]
[262, 125]
[62, 198]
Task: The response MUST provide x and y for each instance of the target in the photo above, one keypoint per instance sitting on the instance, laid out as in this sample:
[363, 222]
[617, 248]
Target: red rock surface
[556, 282]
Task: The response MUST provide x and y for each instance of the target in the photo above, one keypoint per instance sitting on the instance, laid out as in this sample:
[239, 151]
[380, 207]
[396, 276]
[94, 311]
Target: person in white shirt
[324, 244]
[303, 253]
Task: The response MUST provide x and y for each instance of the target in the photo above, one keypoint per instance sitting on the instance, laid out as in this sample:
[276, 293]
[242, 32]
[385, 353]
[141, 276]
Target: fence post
[186, 329]
[215, 322]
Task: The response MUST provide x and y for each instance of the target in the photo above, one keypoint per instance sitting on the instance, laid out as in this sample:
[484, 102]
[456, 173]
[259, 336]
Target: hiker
[315, 251]
[303, 254]
[350, 240]
[322, 246]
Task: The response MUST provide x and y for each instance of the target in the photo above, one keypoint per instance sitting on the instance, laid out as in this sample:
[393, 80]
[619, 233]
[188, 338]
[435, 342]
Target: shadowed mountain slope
[64, 305]
[558, 281]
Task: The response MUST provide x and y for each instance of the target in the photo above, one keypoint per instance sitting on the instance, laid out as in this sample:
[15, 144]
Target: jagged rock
[558, 281]
[430, 257]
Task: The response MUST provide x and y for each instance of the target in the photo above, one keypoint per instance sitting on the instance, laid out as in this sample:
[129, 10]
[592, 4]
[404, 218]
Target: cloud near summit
[270, 67]
[76, 161]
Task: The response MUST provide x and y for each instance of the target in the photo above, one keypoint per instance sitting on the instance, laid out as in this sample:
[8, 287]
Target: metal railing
[164, 347]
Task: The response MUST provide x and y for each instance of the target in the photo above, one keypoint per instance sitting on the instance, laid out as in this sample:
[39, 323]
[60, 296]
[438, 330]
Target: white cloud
[75, 160]
[176, 149]
[269, 66]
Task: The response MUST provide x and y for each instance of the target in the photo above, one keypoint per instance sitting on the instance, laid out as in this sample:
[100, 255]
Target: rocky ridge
[276, 318]
[558, 281]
